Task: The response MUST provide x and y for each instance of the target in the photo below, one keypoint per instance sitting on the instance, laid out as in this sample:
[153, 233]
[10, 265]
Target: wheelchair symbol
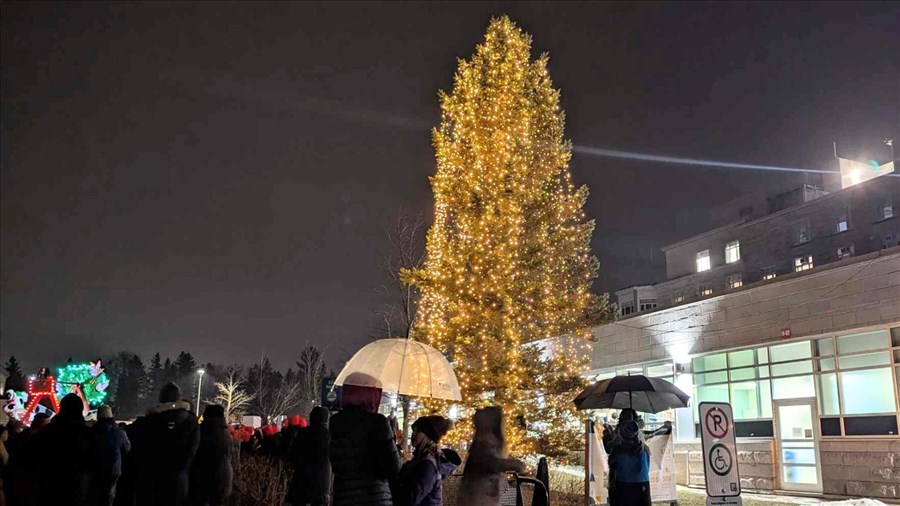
[720, 459]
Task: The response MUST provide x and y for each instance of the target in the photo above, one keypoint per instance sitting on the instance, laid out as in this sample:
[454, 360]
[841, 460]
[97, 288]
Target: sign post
[720, 457]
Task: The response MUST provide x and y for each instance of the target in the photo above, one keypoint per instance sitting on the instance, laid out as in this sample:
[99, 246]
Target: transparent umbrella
[405, 366]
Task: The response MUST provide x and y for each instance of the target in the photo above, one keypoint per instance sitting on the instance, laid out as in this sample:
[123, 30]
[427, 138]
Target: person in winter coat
[364, 456]
[67, 450]
[421, 479]
[290, 427]
[487, 462]
[211, 472]
[629, 465]
[114, 444]
[126, 483]
[164, 444]
[308, 456]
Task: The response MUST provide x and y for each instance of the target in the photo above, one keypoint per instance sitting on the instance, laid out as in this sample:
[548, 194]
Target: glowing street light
[199, 383]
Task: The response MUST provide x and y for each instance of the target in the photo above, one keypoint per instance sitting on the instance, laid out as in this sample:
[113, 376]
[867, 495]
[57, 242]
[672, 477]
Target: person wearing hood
[165, 441]
[114, 444]
[487, 462]
[309, 457]
[211, 472]
[421, 479]
[67, 450]
[629, 465]
[363, 453]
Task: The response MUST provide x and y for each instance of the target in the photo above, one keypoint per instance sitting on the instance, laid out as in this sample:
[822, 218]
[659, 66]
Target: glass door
[797, 440]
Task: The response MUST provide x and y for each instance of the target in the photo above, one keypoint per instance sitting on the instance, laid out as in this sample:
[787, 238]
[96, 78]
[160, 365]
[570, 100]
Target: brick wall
[755, 464]
[865, 468]
[844, 296]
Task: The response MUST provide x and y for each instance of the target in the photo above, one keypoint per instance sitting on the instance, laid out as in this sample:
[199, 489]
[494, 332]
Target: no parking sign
[720, 466]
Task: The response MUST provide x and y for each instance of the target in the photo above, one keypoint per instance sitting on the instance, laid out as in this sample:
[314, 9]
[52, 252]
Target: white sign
[724, 501]
[720, 465]
[597, 467]
[662, 468]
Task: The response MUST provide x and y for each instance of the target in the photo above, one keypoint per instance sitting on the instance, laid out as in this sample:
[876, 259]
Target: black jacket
[364, 457]
[211, 473]
[66, 451]
[164, 445]
[308, 456]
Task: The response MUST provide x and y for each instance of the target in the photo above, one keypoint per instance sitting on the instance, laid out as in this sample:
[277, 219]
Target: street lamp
[199, 383]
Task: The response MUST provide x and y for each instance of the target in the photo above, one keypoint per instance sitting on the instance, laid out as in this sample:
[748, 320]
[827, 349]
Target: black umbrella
[647, 395]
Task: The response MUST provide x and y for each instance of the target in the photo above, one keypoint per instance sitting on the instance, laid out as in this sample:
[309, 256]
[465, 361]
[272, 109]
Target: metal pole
[199, 384]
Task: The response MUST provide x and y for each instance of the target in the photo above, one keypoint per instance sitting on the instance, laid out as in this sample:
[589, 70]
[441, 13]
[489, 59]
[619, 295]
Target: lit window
[803, 263]
[732, 252]
[842, 223]
[678, 298]
[768, 272]
[800, 232]
[845, 252]
[734, 281]
[646, 304]
[627, 308]
[705, 290]
[887, 210]
[703, 261]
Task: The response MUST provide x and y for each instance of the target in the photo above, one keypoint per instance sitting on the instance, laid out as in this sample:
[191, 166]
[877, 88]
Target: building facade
[792, 315]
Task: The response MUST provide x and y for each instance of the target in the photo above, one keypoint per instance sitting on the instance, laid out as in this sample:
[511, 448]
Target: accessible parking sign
[720, 464]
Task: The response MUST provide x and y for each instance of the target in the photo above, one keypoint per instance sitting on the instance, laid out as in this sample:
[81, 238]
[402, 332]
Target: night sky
[218, 177]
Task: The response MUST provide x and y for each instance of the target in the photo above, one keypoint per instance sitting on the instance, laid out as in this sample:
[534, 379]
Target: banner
[662, 467]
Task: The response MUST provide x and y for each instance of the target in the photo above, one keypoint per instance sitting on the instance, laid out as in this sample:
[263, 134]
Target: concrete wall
[867, 468]
[848, 295]
[756, 464]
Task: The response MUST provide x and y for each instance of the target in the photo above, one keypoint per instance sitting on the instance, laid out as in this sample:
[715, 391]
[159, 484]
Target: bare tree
[406, 236]
[232, 392]
[274, 393]
[310, 372]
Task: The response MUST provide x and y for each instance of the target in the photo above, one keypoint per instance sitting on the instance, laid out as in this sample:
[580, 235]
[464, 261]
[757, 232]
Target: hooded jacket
[309, 457]
[114, 443]
[421, 479]
[211, 472]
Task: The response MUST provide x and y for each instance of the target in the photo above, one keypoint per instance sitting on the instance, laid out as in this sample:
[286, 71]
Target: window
[845, 252]
[734, 281]
[800, 232]
[843, 222]
[734, 377]
[889, 241]
[703, 261]
[646, 304]
[627, 308]
[856, 380]
[886, 210]
[803, 263]
[732, 252]
[677, 297]
[705, 290]
[768, 272]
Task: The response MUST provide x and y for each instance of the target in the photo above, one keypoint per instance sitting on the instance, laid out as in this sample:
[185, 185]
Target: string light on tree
[508, 256]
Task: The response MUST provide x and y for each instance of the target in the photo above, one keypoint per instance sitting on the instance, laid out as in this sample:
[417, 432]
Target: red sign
[786, 332]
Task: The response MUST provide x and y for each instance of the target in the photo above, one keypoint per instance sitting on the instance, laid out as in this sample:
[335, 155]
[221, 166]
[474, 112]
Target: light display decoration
[87, 379]
[44, 386]
[15, 403]
[508, 258]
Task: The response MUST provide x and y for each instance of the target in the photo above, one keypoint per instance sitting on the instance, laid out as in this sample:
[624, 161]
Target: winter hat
[104, 413]
[285, 422]
[433, 426]
[71, 404]
[170, 393]
[298, 421]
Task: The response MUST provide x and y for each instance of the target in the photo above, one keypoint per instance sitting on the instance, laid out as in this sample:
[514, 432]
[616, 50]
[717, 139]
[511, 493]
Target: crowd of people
[169, 457]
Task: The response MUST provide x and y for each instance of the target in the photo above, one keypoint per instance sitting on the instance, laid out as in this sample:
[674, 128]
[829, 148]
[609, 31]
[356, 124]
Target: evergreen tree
[168, 374]
[155, 373]
[508, 260]
[132, 389]
[185, 365]
[15, 379]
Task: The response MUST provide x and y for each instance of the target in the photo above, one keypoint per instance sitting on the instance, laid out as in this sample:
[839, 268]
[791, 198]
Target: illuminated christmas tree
[508, 256]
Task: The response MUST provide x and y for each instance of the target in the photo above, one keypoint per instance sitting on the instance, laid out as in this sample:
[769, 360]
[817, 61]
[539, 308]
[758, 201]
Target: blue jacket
[629, 467]
[114, 444]
[421, 479]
